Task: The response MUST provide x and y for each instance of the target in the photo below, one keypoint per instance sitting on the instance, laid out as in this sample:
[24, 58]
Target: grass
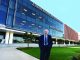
[57, 53]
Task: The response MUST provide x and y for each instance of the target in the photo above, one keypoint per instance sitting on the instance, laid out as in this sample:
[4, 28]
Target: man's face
[46, 32]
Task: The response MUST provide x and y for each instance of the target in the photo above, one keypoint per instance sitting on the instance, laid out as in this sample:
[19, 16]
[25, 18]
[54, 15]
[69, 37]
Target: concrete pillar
[69, 43]
[56, 41]
[7, 37]
[64, 42]
[73, 43]
[11, 38]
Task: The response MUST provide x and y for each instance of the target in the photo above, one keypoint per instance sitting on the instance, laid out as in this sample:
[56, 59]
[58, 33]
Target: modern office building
[70, 34]
[20, 16]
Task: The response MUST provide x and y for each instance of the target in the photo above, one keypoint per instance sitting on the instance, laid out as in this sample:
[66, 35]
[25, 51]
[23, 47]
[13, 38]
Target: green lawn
[57, 53]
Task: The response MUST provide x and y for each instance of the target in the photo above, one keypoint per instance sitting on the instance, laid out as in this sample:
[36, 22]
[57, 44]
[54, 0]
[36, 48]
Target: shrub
[77, 57]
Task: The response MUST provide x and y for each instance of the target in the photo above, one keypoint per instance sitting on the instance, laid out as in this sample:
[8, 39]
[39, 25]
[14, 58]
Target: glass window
[5, 2]
[3, 8]
[2, 17]
[12, 4]
[11, 11]
[9, 21]
[30, 18]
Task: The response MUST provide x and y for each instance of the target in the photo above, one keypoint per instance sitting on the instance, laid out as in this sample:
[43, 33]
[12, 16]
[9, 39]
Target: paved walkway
[14, 54]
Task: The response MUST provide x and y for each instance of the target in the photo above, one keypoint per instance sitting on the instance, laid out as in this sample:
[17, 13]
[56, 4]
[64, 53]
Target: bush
[77, 57]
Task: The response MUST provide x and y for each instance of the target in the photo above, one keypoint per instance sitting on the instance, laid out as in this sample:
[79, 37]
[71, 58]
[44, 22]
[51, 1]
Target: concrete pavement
[14, 54]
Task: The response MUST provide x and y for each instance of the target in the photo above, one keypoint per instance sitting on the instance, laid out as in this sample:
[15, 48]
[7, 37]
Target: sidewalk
[14, 54]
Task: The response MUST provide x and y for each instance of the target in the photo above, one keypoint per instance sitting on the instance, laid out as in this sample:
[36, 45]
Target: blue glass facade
[26, 16]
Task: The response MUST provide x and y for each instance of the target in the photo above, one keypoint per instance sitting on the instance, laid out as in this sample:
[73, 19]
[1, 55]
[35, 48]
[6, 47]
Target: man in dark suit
[45, 44]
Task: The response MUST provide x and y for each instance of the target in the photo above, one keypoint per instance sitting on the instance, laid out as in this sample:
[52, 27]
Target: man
[45, 44]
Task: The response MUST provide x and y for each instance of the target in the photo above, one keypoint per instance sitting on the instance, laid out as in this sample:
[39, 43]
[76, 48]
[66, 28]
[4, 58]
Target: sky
[68, 11]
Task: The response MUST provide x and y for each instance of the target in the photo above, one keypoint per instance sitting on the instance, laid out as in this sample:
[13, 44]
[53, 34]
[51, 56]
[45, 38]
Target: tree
[36, 38]
[30, 38]
[27, 37]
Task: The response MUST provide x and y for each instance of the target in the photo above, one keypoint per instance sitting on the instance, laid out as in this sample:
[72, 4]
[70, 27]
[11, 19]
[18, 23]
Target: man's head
[46, 31]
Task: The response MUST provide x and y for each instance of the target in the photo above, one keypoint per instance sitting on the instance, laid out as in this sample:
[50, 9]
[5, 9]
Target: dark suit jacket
[41, 41]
